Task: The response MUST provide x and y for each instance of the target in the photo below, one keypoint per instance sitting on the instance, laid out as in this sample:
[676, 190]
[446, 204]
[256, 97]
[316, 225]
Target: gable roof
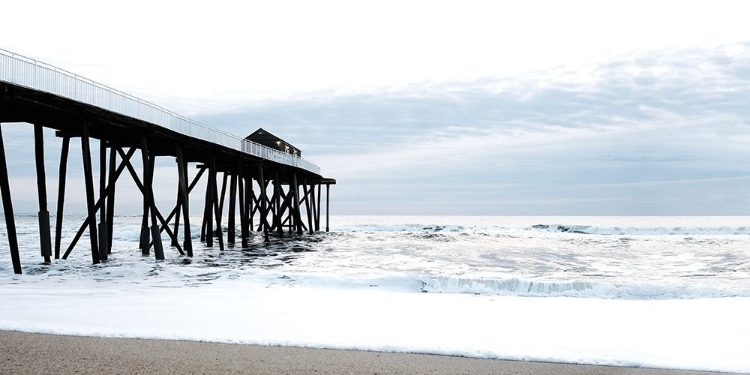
[267, 139]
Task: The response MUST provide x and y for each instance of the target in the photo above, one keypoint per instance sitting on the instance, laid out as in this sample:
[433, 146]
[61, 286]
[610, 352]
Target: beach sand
[32, 353]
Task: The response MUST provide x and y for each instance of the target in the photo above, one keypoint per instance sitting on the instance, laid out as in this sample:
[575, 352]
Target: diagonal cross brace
[100, 202]
[138, 183]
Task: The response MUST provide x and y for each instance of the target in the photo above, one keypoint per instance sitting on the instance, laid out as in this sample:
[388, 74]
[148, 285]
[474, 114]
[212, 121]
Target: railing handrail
[85, 91]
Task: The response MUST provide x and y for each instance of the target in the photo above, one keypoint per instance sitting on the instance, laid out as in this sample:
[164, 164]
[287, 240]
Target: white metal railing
[23, 71]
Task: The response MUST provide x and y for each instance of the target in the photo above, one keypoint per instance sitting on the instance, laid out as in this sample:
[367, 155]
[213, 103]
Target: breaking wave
[655, 231]
[583, 289]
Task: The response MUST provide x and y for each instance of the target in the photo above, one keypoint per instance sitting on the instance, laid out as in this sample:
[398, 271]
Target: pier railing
[23, 71]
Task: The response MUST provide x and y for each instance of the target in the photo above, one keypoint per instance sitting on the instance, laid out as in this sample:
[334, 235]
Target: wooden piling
[219, 231]
[263, 210]
[277, 216]
[149, 187]
[88, 176]
[61, 193]
[328, 206]
[315, 209]
[241, 186]
[262, 201]
[103, 227]
[41, 183]
[145, 237]
[307, 208]
[320, 208]
[208, 218]
[231, 209]
[175, 242]
[286, 206]
[176, 212]
[207, 211]
[185, 198]
[10, 220]
[110, 193]
[295, 196]
[223, 194]
[249, 199]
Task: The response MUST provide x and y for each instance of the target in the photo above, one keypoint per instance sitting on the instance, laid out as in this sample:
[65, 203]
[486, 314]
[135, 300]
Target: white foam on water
[649, 295]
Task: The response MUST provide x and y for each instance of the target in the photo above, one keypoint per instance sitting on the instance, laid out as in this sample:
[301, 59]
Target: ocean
[664, 292]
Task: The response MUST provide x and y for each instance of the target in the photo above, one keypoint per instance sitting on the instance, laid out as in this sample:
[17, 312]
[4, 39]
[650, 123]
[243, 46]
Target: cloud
[649, 128]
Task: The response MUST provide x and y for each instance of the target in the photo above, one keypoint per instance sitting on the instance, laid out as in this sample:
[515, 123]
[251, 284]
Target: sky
[430, 107]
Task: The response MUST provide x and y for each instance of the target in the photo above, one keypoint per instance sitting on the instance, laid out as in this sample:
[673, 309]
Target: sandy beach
[32, 353]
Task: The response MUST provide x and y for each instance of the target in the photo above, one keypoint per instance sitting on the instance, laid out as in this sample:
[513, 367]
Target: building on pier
[263, 137]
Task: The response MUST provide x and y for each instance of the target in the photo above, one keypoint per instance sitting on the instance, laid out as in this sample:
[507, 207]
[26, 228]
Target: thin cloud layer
[650, 134]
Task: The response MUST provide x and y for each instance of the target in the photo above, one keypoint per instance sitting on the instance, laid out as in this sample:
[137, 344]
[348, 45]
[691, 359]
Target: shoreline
[37, 353]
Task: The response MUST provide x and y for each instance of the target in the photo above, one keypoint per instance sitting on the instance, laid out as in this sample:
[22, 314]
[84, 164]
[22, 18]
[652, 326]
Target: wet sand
[31, 353]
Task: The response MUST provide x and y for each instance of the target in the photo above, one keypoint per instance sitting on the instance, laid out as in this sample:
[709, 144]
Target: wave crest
[584, 289]
[511, 286]
[587, 229]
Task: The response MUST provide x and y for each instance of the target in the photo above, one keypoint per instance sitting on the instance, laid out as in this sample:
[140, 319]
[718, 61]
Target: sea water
[667, 292]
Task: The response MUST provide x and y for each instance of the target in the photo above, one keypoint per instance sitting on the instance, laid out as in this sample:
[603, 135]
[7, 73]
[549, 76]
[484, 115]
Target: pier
[264, 178]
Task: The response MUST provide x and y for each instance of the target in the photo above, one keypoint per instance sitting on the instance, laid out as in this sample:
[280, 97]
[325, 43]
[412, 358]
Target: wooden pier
[277, 191]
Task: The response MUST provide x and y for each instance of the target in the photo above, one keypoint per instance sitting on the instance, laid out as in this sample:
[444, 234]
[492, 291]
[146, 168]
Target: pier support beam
[145, 237]
[231, 209]
[328, 204]
[249, 199]
[61, 193]
[278, 212]
[208, 215]
[41, 184]
[177, 211]
[217, 208]
[315, 209]
[317, 212]
[110, 193]
[88, 176]
[223, 194]
[295, 195]
[208, 225]
[185, 201]
[241, 186]
[103, 228]
[10, 221]
[308, 208]
[148, 191]
[263, 206]
[177, 222]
